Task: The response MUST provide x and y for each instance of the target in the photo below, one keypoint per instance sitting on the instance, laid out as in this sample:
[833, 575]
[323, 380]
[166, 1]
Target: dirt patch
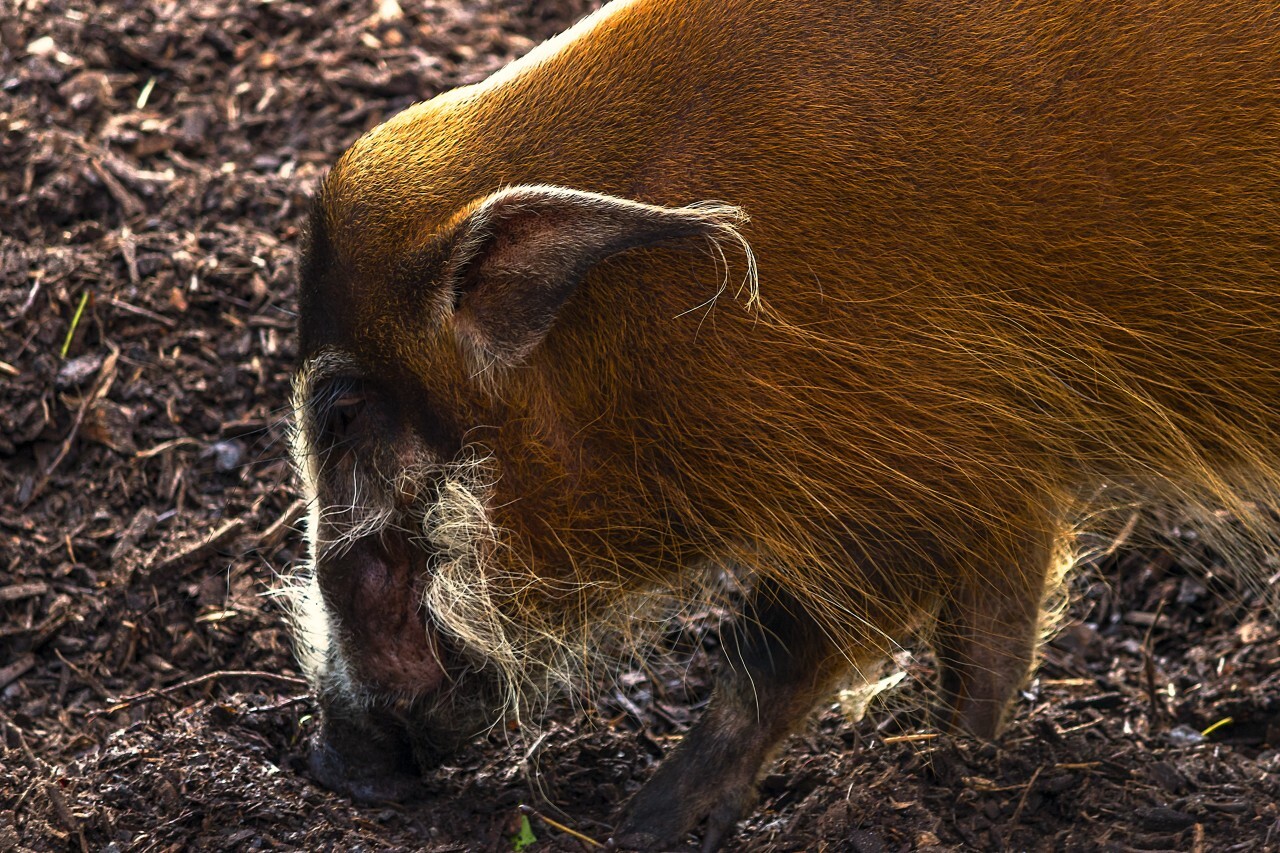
[155, 163]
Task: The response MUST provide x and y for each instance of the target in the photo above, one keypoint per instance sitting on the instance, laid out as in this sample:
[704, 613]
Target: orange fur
[1005, 252]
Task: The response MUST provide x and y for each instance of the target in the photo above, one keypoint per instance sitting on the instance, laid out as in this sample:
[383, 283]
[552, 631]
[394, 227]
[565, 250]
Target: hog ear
[521, 252]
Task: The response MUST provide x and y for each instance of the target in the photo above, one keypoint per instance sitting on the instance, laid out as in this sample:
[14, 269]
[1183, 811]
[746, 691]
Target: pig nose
[366, 765]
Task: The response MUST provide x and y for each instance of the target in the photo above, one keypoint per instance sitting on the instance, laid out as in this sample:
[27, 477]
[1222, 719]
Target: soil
[156, 159]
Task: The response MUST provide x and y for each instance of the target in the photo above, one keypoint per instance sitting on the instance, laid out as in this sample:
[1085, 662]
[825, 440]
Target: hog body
[875, 306]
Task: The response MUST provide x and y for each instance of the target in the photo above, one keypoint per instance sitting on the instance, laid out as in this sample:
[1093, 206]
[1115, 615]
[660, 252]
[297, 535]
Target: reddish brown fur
[1009, 254]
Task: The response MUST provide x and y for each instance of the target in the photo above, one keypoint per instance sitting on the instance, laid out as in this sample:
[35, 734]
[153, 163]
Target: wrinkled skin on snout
[394, 700]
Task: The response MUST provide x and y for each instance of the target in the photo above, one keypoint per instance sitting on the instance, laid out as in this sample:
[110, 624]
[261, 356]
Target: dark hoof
[638, 834]
[635, 839]
[661, 815]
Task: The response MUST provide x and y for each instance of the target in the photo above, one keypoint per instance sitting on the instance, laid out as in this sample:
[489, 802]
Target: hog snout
[364, 755]
[383, 674]
[374, 589]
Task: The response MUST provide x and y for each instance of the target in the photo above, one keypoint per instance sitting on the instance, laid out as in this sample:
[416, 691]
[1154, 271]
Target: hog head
[448, 576]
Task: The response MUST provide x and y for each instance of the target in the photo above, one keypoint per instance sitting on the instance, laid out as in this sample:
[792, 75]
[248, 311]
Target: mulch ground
[155, 162]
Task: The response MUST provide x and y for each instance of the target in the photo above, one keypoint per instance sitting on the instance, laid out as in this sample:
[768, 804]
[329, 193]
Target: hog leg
[985, 641]
[777, 665]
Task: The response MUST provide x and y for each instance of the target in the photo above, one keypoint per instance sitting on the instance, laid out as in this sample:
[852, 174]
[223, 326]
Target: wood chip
[106, 377]
[168, 322]
[15, 670]
[19, 591]
[191, 552]
[143, 523]
[282, 526]
[129, 203]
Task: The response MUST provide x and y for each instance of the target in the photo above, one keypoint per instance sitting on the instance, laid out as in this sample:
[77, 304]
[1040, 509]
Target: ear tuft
[521, 252]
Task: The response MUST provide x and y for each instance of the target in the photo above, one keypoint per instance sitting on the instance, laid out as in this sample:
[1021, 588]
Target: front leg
[985, 641]
[778, 663]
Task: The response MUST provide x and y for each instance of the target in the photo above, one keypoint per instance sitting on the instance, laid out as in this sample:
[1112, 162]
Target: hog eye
[338, 405]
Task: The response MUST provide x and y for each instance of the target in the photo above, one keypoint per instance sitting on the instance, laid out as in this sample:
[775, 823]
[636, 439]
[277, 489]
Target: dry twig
[159, 693]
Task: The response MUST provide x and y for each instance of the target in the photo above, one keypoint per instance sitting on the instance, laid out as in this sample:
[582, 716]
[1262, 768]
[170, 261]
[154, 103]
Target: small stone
[1184, 735]
[227, 455]
[75, 371]
[44, 46]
